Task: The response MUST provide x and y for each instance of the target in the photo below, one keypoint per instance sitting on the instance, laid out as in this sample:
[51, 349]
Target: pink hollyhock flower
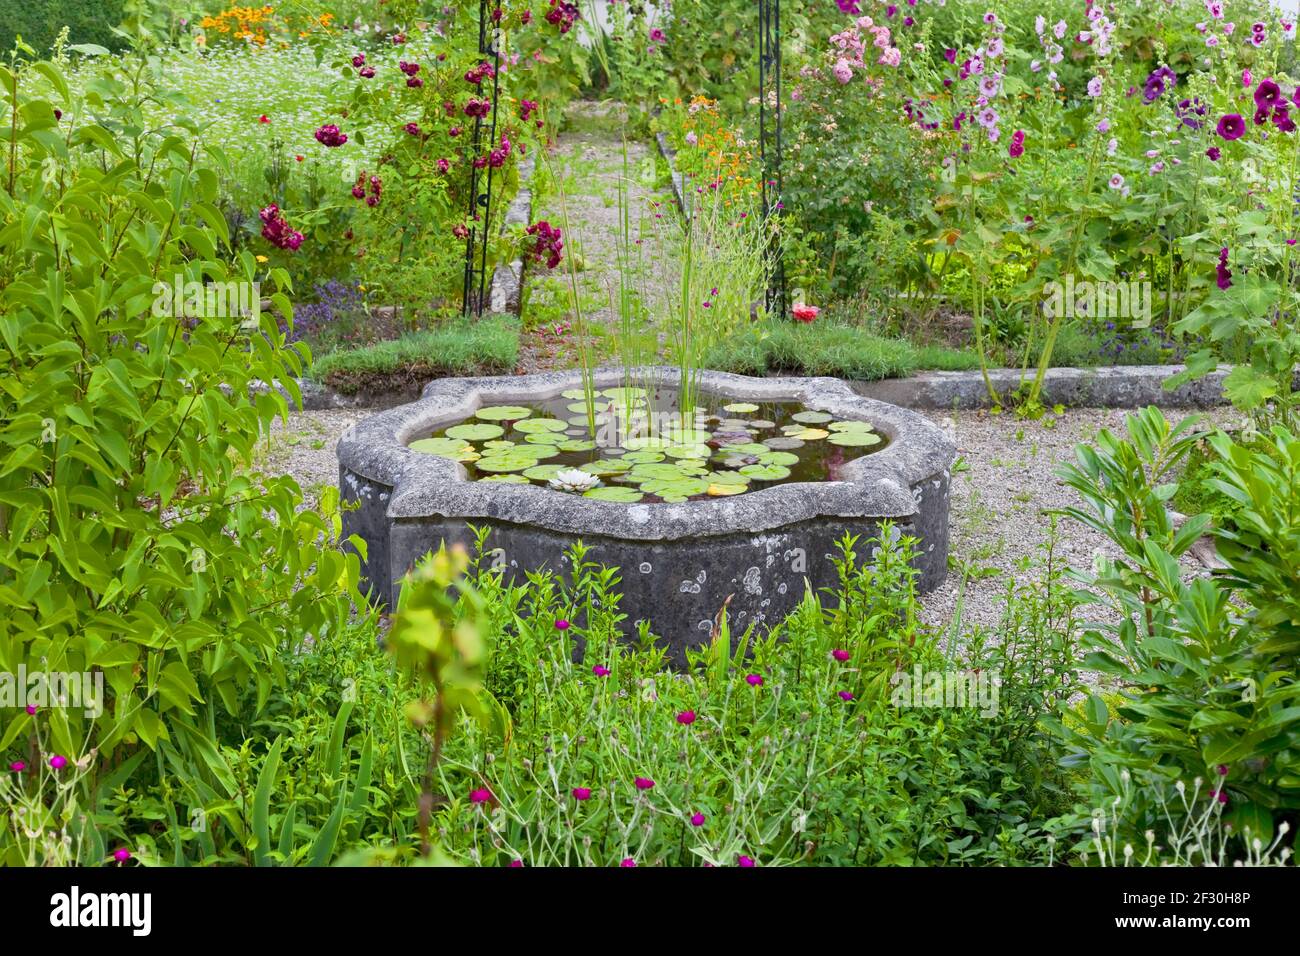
[686, 718]
[581, 793]
[644, 783]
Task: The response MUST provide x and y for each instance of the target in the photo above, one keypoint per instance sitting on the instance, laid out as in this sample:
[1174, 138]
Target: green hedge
[38, 22]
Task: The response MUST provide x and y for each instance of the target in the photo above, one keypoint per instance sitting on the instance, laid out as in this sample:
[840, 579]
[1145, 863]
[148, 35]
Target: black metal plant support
[769, 145]
[480, 186]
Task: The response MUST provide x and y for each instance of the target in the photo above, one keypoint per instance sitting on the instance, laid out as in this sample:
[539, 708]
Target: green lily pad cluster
[637, 454]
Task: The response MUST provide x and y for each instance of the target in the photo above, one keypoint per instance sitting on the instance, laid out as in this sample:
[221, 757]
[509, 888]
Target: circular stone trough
[679, 561]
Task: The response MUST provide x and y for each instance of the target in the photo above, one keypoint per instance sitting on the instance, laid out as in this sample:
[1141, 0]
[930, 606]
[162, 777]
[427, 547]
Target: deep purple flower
[1222, 273]
[1231, 126]
[330, 135]
[1268, 95]
[845, 695]
[1017, 147]
[366, 72]
[1213, 153]
[359, 60]
[412, 128]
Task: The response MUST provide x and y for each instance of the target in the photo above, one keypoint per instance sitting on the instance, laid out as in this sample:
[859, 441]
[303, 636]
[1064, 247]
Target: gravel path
[1000, 507]
[589, 166]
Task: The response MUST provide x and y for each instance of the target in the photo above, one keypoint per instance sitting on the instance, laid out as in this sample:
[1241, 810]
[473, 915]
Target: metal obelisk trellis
[480, 186]
[769, 144]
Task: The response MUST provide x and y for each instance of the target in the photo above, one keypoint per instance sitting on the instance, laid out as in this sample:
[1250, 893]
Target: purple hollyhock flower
[697, 820]
[516, 864]
[1223, 275]
[950, 55]
[1282, 120]
[644, 783]
[1017, 147]
[581, 793]
[754, 680]
[1213, 153]
[367, 72]
[1231, 126]
[1268, 95]
[359, 60]
[412, 129]
[1223, 767]
[31, 709]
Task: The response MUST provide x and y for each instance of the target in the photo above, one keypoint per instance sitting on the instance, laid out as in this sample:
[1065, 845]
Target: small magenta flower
[561, 625]
[686, 718]
[31, 709]
[845, 695]
[1223, 767]
[628, 862]
[744, 861]
[644, 783]
[600, 671]
[581, 793]
[697, 820]
[516, 864]
[480, 795]
[18, 766]
[121, 854]
[58, 762]
[840, 654]
[754, 680]
[412, 129]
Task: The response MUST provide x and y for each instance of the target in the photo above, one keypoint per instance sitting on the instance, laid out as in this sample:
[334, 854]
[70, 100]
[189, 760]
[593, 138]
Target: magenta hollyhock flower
[58, 762]
[359, 60]
[1223, 275]
[18, 766]
[1213, 153]
[480, 795]
[581, 793]
[561, 625]
[415, 82]
[600, 671]
[1017, 147]
[366, 72]
[644, 783]
[686, 718]
[744, 861]
[1231, 126]
[628, 862]
[698, 820]
[412, 128]
[845, 695]
[840, 655]
[121, 854]
[410, 69]
[754, 680]
[443, 165]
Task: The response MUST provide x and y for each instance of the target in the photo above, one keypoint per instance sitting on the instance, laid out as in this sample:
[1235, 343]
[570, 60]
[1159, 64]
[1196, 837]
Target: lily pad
[740, 408]
[530, 426]
[576, 445]
[850, 426]
[542, 472]
[646, 441]
[765, 472]
[722, 490]
[729, 478]
[624, 495]
[855, 439]
[503, 413]
[781, 444]
[812, 418]
[498, 445]
[471, 431]
[606, 467]
[810, 434]
[545, 438]
[645, 456]
[454, 448]
[784, 458]
[572, 393]
[512, 459]
[506, 479]
[761, 424]
[688, 451]
[675, 489]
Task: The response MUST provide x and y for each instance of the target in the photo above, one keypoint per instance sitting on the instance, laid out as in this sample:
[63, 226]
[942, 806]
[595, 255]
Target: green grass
[489, 346]
[822, 348]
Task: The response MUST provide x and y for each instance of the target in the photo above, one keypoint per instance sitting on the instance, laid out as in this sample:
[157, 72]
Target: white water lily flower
[571, 479]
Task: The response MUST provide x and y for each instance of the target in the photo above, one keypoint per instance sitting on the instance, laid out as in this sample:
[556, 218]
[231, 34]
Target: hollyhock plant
[1231, 126]
[1223, 275]
[1017, 147]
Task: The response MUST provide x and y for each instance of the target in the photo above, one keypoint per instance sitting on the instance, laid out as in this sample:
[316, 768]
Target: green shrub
[38, 22]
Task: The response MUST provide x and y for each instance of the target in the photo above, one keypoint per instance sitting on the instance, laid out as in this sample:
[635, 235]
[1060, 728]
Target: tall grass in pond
[637, 343]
